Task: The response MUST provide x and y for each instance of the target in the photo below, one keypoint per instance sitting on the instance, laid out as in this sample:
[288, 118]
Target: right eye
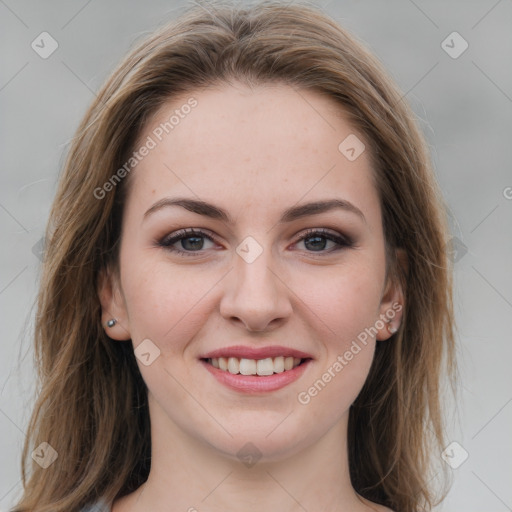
[191, 240]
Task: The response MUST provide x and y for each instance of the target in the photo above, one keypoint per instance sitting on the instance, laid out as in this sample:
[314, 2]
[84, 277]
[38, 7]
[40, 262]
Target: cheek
[345, 299]
[165, 306]
[334, 388]
[344, 309]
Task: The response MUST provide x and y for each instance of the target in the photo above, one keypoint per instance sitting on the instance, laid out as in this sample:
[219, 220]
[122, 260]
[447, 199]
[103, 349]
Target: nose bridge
[253, 271]
[255, 275]
[256, 293]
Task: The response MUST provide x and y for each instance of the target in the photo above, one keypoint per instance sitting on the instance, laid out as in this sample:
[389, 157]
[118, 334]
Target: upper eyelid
[323, 231]
[205, 231]
[185, 233]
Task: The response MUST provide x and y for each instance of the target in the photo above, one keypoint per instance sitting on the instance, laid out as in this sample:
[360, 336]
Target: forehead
[267, 146]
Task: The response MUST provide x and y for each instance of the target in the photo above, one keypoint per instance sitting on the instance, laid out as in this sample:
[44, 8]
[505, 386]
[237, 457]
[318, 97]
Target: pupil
[198, 244]
[317, 239]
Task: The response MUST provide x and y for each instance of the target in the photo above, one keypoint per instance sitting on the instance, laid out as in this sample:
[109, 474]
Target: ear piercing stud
[111, 322]
[391, 328]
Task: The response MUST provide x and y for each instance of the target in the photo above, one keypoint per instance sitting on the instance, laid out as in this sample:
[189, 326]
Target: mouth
[256, 370]
[260, 367]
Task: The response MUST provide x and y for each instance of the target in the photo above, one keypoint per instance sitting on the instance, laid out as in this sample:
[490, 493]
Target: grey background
[465, 107]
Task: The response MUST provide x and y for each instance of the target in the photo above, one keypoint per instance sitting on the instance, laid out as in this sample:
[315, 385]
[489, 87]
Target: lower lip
[255, 383]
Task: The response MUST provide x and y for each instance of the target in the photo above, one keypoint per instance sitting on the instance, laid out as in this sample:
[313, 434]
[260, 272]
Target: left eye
[317, 239]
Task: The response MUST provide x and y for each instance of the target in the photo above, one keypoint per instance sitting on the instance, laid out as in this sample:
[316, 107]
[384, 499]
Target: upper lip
[242, 352]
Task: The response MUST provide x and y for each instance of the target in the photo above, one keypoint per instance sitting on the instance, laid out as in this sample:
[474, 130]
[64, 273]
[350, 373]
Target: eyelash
[168, 241]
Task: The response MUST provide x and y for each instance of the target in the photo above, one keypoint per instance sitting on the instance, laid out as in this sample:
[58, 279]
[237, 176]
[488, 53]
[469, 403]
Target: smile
[256, 370]
[261, 367]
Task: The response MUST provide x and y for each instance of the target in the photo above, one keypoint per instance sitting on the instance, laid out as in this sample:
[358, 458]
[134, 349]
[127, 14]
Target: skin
[253, 152]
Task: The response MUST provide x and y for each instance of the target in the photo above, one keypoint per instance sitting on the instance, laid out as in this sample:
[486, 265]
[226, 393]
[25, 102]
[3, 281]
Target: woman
[246, 300]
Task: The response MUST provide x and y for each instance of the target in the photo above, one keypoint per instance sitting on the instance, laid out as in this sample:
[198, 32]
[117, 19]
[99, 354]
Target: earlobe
[390, 317]
[390, 321]
[113, 312]
[393, 300]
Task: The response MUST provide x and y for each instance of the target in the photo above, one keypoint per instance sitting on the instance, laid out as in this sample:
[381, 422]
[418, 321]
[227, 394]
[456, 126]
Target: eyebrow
[289, 215]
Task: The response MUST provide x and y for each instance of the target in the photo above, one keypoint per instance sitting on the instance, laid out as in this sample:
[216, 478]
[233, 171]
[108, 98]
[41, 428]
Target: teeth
[288, 363]
[265, 366]
[279, 364]
[233, 365]
[247, 366]
[262, 367]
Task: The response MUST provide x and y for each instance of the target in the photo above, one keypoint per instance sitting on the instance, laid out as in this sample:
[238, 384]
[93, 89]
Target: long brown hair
[92, 402]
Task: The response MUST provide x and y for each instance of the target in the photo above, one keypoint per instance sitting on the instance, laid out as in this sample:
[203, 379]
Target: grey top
[99, 506]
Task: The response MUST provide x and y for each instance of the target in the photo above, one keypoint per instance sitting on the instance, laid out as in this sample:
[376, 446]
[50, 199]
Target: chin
[266, 441]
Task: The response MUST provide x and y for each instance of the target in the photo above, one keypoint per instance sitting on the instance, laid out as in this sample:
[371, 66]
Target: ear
[393, 300]
[113, 306]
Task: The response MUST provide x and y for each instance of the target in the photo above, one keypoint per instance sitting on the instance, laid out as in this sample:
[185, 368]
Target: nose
[256, 295]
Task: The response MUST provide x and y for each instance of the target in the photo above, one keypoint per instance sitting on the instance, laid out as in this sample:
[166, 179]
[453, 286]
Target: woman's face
[259, 277]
